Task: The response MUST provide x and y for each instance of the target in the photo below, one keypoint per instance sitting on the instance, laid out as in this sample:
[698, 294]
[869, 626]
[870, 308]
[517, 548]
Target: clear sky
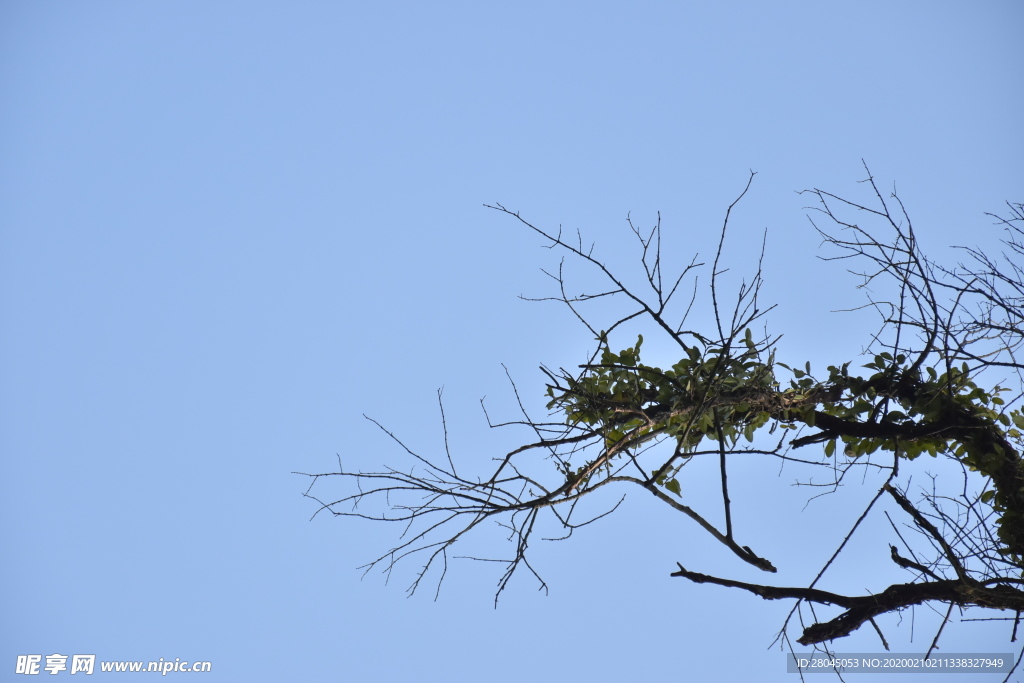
[229, 229]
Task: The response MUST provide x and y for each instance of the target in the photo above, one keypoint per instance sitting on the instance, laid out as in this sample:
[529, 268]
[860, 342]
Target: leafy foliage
[722, 397]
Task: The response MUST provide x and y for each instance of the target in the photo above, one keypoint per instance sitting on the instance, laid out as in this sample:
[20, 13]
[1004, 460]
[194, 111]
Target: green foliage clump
[724, 393]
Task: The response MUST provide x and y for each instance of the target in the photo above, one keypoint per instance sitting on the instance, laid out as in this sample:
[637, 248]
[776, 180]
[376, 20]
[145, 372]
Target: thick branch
[860, 609]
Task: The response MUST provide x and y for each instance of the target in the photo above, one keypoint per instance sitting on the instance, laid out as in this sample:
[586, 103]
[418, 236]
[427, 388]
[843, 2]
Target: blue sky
[227, 230]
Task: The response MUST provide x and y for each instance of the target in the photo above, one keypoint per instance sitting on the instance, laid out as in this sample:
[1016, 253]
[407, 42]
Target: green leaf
[830, 447]
[673, 486]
